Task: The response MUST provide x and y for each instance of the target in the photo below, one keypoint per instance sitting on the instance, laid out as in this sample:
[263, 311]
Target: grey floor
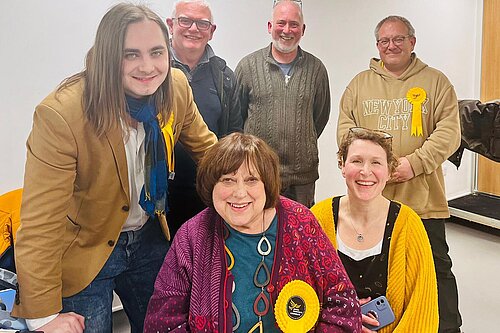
[476, 258]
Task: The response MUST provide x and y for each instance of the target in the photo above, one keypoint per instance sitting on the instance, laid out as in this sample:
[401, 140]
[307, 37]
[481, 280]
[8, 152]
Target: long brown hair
[104, 96]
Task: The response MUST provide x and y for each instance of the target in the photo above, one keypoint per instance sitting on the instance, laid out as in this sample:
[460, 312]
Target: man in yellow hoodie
[418, 106]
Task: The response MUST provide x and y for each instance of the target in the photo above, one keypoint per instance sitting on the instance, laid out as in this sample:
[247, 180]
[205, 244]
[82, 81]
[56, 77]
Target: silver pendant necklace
[359, 236]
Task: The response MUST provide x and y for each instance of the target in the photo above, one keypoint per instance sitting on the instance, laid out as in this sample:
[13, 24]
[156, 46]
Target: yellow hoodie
[376, 100]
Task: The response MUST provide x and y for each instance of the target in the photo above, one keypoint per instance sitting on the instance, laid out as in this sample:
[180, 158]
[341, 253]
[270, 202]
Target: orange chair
[10, 207]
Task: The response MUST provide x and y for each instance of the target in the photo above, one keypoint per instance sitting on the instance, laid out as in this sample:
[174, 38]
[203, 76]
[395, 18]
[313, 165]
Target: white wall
[44, 41]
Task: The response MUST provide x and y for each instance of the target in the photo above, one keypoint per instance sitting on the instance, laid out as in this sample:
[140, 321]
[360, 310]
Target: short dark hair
[374, 136]
[226, 157]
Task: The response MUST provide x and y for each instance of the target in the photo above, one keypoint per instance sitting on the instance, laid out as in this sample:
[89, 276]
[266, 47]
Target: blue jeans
[131, 272]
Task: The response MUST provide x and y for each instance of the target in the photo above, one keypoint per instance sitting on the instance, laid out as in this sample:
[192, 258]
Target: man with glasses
[285, 100]
[417, 104]
[213, 84]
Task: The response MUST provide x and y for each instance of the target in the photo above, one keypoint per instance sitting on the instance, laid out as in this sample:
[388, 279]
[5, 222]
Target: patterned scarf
[154, 192]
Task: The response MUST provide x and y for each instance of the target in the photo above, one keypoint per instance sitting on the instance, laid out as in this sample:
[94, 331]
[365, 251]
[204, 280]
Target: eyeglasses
[398, 41]
[186, 22]
[362, 130]
[299, 2]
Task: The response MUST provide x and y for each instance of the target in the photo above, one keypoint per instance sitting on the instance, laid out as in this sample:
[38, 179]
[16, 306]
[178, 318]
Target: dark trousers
[449, 315]
[184, 203]
[301, 193]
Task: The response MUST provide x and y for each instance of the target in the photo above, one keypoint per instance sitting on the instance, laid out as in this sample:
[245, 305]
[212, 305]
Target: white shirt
[358, 254]
[135, 152]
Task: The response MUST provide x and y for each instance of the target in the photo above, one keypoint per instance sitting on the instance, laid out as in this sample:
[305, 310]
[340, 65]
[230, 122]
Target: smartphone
[381, 310]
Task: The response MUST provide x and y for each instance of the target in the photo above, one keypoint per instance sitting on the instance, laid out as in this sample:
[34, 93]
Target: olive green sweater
[288, 113]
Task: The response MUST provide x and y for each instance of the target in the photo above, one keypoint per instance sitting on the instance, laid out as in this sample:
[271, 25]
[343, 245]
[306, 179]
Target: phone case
[381, 310]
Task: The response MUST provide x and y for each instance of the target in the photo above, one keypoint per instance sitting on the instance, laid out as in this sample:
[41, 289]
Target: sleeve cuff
[34, 324]
[416, 164]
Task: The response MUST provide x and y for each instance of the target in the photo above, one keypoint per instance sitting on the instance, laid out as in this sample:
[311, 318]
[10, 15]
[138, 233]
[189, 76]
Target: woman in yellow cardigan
[382, 244]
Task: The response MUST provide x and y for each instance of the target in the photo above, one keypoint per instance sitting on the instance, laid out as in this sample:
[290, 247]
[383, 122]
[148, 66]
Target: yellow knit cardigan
[411, 281]
[10, 206]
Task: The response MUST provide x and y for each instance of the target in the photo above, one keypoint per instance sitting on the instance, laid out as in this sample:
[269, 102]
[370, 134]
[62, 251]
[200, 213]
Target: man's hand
[403, 172]
[65, 323]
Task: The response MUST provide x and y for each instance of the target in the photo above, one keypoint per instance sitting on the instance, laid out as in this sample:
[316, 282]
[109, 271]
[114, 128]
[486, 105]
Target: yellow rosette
[297, 307]
[416, 96]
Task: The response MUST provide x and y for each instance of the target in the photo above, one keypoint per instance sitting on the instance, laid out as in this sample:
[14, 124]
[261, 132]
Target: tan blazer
[76, 195]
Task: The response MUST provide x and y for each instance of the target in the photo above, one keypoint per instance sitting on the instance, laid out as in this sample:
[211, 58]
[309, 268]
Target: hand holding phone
[368, 321]
[379, 309]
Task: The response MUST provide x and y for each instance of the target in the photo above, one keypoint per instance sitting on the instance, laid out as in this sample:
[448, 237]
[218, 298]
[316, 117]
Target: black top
[369, 276]
[213, 85]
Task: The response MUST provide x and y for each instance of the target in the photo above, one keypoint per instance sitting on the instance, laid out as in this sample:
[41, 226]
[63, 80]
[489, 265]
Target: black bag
[480, 127]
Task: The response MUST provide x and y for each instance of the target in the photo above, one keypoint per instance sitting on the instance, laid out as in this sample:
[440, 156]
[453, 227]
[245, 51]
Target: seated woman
[228, 266]
[382, 244]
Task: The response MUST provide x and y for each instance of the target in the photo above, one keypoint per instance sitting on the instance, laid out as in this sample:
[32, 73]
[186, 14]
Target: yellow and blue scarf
[153, 197]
